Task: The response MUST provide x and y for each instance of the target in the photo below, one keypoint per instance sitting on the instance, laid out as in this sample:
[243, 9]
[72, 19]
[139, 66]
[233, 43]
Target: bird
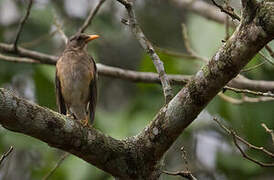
[75, 80]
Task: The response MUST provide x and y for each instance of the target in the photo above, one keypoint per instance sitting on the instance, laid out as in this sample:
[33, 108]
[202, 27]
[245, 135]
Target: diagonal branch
[173, 118]
[228, 11]
[270, 131]
[90, 17]
[60, 161]
[20, 27]
[59, 28]
[147, 46]
[64, 133]
[6, 154]
[137, 157]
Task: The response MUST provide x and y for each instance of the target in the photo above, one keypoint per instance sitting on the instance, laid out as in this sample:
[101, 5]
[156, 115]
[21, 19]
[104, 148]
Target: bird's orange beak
[92, 37]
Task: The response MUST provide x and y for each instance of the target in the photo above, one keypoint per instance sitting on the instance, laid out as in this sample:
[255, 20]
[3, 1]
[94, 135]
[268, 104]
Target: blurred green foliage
[125, 108]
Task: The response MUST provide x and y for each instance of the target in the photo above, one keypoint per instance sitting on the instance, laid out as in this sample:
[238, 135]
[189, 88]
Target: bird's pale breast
[75, 77]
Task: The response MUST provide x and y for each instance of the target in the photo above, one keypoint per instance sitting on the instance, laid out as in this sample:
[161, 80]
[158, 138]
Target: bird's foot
[84, 122]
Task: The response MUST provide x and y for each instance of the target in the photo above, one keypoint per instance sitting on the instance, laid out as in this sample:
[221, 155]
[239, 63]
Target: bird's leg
[85, 121]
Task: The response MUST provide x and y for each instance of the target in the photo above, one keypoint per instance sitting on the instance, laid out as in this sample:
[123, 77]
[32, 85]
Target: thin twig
[268, 94]
[187, 173]
[147, 46]
[187, 44]
[59, 29]
[62, 158]
[227, 10]
[270, 131]
[6, 155]
[90, 17]
[20, 27]
[262, 149]
[184, 174]
[244, 99]
[247, 156]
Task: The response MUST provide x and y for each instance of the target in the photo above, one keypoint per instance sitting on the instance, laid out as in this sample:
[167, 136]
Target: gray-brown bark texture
[138, 157]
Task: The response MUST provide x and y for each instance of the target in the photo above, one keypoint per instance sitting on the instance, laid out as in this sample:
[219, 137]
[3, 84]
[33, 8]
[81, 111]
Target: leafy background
[125, 107]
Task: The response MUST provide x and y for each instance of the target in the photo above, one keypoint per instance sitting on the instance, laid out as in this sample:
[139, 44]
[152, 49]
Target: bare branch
[47, 125]
[249, 157]
[244, 99]
[270, 131]
[268, 94]
[242, 82]
[6, 154]
[187, 173]
[62, 158]
[18, 59]
[59, 29]
[268, 60]
[229, 11]
[90, 17]
[20, 27]
[41, 57]
[147, 46]
[230, 132]
[184, 174]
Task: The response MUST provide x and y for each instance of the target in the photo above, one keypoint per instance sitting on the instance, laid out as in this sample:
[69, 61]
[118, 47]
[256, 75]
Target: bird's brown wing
[59, 98]
[93, 93]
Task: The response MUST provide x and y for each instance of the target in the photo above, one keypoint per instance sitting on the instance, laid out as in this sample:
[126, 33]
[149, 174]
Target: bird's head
[79, 41]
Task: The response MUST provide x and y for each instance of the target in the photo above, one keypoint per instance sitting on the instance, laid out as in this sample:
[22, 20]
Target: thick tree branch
[256, 93]
[173, 118]
[138, 156]
[61, 132]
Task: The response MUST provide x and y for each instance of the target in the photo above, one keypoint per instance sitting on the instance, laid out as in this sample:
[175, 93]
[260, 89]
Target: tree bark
[138, 157]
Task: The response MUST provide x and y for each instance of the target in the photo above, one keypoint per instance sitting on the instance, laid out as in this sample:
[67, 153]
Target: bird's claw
[84, 122]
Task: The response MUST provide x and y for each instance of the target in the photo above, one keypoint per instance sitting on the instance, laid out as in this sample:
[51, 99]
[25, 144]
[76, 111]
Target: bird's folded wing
[59, 98]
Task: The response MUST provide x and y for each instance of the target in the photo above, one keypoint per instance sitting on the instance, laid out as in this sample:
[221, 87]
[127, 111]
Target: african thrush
[75, 81]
